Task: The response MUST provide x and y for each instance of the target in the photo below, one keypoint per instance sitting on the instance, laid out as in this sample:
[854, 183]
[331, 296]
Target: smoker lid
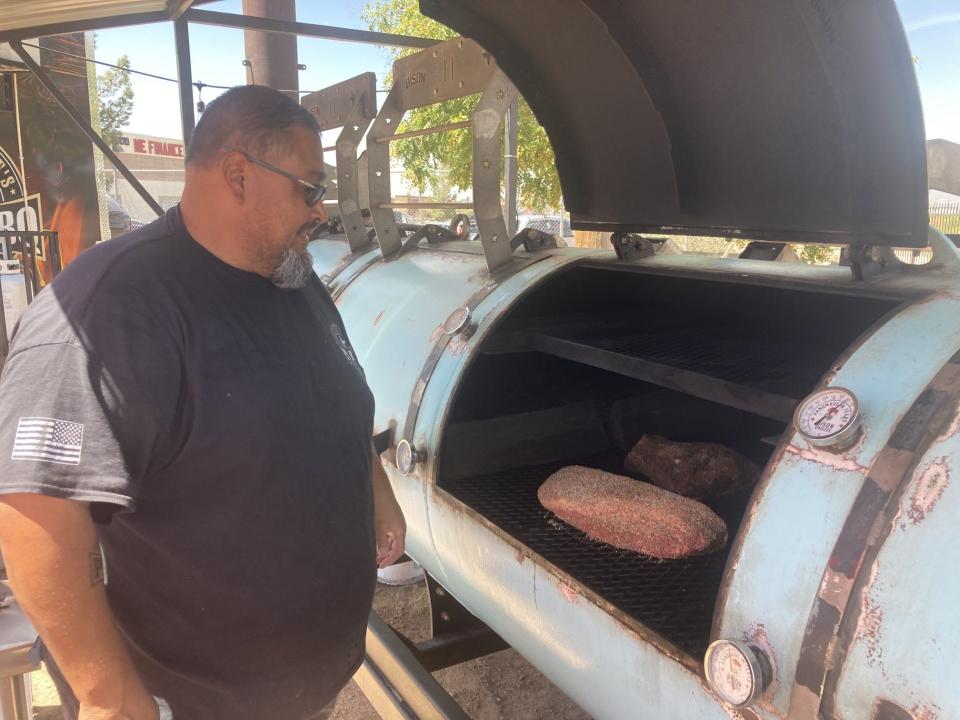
[796, 119]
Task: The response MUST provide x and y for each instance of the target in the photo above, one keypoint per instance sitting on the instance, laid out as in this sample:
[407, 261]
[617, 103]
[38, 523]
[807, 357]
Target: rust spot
[519, 556]
[378, 318]
[869, 630]
[756, 635]
[436, 334]
[925, 712]
[458, 345]
[930, 483]
[569, 594]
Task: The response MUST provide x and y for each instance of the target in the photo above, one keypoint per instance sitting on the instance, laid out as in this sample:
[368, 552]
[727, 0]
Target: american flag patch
[48, 440]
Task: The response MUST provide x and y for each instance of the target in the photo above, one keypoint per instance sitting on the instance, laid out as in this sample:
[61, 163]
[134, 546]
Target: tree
[444, 159]
[115, 100]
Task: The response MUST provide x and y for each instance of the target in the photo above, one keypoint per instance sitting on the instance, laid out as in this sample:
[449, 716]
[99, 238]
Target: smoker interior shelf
[726, 366]
[672, 597]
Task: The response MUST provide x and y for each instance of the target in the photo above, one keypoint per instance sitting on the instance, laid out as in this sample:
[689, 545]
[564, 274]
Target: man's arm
[54, 567]
[388, 522]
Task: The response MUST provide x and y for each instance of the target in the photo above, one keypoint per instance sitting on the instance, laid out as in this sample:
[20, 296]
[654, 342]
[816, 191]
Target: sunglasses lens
[316, 195]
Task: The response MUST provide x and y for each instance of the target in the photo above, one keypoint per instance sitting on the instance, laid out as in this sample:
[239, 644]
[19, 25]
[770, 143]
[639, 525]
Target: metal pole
[328, 32]
[426, 206]
[510, 166]
[81, 123]
[181, 34]
[272, 57]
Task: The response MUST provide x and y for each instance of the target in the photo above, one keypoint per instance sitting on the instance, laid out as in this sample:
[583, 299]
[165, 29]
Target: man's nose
[319, 212]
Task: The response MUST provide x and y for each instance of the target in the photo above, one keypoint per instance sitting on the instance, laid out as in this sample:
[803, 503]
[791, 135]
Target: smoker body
[623, 637]
[496, 362]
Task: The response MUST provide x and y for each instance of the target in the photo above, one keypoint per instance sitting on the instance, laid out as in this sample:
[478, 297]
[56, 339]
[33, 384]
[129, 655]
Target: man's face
[280, 219]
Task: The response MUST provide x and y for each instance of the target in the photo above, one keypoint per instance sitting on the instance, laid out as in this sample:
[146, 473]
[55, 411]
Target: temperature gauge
[734, 672]
[829, 418]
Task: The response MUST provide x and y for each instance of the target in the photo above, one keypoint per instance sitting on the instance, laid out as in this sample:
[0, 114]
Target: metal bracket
[533, 240]
[457, 635]
[433, 234]
[378, 172]
[487, 122]
[629, 246]
[757, 250]
[869, 263]
[351, 105]
[452, 69]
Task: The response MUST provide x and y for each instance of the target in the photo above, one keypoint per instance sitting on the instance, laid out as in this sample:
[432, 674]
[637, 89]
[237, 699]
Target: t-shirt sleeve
[76, 427]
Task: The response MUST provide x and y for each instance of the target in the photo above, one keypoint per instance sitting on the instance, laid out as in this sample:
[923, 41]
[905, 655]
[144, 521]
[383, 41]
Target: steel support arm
[85, 126]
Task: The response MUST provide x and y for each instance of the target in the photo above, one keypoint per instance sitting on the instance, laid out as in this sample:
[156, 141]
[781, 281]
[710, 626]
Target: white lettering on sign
[150, 146]
[25, 220]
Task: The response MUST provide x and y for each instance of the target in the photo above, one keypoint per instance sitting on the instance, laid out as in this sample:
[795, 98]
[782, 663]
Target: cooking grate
[672, 597]
[763, 362]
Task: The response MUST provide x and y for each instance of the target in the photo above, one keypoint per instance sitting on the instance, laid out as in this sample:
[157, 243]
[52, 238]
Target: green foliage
[815, 254]
[115, 101]
[442, 161]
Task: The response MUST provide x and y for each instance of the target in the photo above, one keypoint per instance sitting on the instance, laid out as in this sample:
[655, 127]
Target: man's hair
[253, 118]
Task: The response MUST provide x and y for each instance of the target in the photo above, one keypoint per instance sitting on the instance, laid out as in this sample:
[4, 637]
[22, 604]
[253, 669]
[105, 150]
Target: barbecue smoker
[499, 360]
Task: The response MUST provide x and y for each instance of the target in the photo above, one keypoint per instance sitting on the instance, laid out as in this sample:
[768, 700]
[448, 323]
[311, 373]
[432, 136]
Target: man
[190, 508]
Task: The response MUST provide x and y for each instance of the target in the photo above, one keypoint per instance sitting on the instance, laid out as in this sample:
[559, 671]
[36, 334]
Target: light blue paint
[805, 503]
[599, 660]
[912, 659]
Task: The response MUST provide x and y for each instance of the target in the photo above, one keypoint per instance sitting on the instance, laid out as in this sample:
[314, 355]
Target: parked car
[120, 221]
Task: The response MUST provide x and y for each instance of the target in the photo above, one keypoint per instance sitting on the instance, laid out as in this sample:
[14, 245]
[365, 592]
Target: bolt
[445, 616]
[440, 591]
[486, 163]
[500, 94]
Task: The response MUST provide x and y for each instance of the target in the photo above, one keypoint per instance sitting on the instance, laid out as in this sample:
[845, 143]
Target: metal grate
[764, 362]
[672, 597]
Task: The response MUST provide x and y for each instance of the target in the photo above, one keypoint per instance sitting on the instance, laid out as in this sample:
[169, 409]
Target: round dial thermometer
[734, 672]
[829, 418]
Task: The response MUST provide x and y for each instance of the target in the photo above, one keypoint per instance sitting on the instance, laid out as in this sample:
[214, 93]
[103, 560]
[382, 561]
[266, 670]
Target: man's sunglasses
[313, 193]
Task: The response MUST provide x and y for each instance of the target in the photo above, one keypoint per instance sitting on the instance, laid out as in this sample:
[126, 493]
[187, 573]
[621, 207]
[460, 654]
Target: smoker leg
[458, 635]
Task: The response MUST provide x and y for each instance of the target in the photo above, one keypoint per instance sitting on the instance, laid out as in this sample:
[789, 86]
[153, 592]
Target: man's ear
[234, 170]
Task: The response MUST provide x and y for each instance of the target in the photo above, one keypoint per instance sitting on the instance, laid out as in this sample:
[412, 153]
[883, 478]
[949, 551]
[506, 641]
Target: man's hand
[388, 524]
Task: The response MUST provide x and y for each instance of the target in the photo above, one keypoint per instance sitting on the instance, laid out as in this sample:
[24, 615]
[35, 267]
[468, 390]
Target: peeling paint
[925, 712]
[953, 428]
[831, 460]
[569, 594]
[870, 624]
[930, 483]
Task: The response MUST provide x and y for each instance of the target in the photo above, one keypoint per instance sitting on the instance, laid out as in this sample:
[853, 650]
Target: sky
[933, 31]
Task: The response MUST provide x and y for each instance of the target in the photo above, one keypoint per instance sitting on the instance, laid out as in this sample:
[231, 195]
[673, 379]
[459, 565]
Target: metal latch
[630, 246]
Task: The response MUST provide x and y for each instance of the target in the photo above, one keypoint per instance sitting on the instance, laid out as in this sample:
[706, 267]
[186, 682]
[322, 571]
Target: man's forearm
[54, 566]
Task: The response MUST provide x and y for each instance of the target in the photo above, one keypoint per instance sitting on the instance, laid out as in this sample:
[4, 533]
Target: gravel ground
[502, 686]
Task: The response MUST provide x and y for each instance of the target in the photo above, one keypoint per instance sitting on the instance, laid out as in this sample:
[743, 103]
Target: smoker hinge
[630, 246]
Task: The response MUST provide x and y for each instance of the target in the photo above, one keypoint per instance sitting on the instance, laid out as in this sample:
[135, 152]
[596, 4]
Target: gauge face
[405, 457]
[829, 417]
[457, 321]
[733, 672]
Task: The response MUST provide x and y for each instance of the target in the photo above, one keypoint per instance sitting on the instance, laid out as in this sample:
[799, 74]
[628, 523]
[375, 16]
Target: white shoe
[405, 573]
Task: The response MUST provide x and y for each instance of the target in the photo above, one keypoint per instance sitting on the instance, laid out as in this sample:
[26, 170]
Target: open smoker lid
[783, 119]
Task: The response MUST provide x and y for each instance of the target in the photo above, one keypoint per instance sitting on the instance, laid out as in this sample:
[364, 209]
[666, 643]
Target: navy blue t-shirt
[229, 422]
